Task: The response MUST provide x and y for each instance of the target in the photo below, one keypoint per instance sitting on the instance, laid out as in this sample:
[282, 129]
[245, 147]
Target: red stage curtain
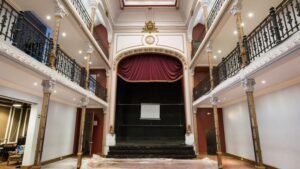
[150, 68]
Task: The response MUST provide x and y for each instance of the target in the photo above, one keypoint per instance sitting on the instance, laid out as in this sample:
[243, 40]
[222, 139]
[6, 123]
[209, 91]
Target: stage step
[151, 151]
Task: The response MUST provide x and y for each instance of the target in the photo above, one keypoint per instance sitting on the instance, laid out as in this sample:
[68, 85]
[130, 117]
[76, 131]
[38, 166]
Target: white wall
[59, 136]
[60, 130]
[278, 116]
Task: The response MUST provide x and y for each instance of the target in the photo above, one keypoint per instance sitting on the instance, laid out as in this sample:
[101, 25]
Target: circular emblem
[150, 40]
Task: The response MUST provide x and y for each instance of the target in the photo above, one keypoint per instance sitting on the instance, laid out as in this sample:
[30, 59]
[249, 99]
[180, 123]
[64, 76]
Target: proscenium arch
[144, 50]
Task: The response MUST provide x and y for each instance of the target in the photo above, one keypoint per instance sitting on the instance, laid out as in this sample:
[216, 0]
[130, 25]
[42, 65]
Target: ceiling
[224, 38]
[135, 16]
[148, 3]
[75, 43]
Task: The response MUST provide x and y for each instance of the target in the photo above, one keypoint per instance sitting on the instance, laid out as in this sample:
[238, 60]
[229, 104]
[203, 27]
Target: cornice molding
[13, 53]
[280, 51]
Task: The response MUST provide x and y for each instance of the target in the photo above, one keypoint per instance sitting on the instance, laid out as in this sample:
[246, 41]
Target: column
[236, 11]
[248, 85]
[214, 102]
[60, 12]
[84, 102]
[195, 130]
[210, 63]
[106, 111]
[48, 88]
[194, 110]
[189, 136]
[89, 53]
[111, 137]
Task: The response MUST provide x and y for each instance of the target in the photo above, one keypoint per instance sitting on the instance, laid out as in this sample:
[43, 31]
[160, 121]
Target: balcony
[16, 29]
[281, 23]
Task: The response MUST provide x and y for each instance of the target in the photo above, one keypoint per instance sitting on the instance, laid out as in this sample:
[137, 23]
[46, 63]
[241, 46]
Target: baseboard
[57, 159]
[247, 160]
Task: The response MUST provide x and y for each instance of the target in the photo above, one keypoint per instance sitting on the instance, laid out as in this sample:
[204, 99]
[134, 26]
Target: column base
[189, 139]
[260, 167]
[79, 160]
[220, 167]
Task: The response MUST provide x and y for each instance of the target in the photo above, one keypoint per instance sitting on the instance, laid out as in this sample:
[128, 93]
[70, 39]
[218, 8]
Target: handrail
[214, 12]
[282, 22]
[82, 12]
[96, 88]
[202, 88]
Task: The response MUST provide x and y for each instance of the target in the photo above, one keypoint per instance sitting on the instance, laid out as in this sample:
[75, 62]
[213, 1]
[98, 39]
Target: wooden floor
[210, 163]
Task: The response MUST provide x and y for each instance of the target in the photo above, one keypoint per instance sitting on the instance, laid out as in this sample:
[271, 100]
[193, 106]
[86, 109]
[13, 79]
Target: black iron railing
[82, 12]
[69, 68]
[203, 87]
[214, 12]
[278, 26]
[19, 31]
[97, 88]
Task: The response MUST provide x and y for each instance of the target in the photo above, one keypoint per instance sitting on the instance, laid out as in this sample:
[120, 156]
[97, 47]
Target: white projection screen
[150, 111]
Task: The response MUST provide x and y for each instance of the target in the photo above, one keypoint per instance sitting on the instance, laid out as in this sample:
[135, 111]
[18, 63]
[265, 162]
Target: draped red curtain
[150, 68]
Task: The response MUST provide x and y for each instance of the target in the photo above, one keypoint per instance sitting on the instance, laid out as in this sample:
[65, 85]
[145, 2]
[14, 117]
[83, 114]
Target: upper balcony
[280, 24]
[26, 32]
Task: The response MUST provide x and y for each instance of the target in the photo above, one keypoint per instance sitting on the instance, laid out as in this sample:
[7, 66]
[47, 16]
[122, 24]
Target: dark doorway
[130, 128]
[211, 142]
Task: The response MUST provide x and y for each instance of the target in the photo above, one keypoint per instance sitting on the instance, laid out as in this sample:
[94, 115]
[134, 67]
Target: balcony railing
[214, 12]
[278, 26]
[19, 31]
[82, 12]
[97, 88]
[202, 88]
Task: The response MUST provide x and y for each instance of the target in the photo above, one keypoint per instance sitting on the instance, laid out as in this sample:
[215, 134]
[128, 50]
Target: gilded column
[248, 85]
[84, 102]
[89, 53]
[60, 12]
[236, 11]
[210, 63]
[48, 88]
[214, 102]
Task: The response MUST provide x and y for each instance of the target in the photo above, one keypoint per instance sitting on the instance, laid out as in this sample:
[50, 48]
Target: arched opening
[150, 100]
[197, 35]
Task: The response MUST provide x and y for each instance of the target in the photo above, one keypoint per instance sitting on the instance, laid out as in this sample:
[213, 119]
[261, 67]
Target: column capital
[60, 9]
[93, 3]
[236, 7]
[107, 72]
[204, 3]
[84, 101]
[214, 100]
[48, 86]
[91, 49]
[248, 84]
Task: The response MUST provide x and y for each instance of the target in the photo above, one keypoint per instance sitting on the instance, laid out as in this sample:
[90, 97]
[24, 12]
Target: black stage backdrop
[131, 129]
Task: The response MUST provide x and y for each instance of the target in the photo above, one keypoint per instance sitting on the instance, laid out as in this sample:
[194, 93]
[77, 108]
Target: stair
[151, 151]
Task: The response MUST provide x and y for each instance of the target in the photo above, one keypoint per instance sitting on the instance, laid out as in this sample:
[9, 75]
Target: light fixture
[17, 105]
[85, 58]
[263, 82]
[35, 84]
[219, 51]
[90, 62]
[215, 57]
[64, 34]
[242, 24]
[250, 14]
[80, 51]
[235, 32]
[48, 17]
[54, 91]
[208, 113]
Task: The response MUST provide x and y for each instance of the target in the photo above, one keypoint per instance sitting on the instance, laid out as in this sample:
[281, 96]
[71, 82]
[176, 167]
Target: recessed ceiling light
[263, 82]
[90, 63]
[242, 24]
[64, 34]
[54, 91]
[85, 58]
[80, 51]
[235, 32]
[35, 84]
[17, 105]
[215, 57]
[250, 14]
[48, 17]
[219, 51]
